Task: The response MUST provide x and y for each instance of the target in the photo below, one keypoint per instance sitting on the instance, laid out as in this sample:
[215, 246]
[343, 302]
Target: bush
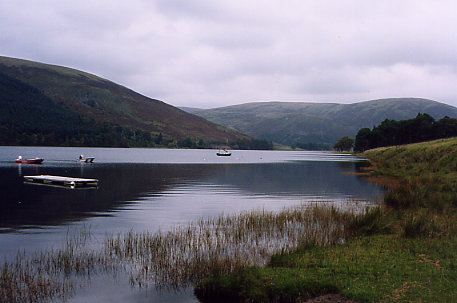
[344, 144]
[257, 285]
[374, 221]
[418, 226]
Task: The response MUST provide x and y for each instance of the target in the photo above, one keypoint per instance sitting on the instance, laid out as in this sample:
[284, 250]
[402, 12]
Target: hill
[437, 158]
[318, 124]
[45, 104]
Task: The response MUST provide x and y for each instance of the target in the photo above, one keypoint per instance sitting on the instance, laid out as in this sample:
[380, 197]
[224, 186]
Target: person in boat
[81, 157]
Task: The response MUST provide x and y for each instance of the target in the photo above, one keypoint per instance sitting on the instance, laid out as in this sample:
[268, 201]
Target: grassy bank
[402, 251]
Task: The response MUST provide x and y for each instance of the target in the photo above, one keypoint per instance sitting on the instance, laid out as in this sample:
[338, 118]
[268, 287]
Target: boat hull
[30, 161]
[87, 160]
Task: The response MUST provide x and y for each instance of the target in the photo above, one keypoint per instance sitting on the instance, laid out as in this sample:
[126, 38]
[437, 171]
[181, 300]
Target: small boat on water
[86, 159]
[29, 161]
[223, 153]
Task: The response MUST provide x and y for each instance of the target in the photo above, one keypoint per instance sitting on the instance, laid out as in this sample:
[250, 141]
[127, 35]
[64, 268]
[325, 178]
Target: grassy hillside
[25, 110]
[98, 100]
[435, 158]
[404, 250]
[325, 123]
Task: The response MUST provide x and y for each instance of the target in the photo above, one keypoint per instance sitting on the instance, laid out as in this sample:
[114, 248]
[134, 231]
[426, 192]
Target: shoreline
[402, 250]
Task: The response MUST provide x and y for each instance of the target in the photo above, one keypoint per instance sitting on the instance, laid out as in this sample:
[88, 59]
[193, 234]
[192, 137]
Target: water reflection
[28, 205]
[304, 179]
[143, 189]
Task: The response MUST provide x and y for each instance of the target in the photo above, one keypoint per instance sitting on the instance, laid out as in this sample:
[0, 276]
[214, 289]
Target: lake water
[152, 189]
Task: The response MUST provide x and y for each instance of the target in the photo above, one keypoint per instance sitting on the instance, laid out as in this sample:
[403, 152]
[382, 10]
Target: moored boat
[86, 159]
[29, 161]
[224, 152]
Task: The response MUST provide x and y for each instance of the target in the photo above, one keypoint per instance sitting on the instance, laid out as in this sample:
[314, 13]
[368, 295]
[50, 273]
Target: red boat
[29, 161]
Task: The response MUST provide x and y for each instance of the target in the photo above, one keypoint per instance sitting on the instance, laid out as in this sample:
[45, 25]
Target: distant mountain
[318, 124]
[42, 104]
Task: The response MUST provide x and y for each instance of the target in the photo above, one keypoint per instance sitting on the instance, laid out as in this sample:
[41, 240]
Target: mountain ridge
[292, 123]
[106, 103]
[93, 105]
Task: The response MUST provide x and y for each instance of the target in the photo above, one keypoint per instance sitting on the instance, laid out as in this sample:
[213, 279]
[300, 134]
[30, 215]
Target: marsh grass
[181, 257]
[217, 246]
[46, 275]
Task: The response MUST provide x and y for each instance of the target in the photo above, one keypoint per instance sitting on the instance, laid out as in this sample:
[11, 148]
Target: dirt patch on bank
[330, 298]
[368, 173]
[384, 181]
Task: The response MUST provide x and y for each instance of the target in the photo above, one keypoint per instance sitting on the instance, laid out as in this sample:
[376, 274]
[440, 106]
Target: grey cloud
[215, 53]
[190, 9]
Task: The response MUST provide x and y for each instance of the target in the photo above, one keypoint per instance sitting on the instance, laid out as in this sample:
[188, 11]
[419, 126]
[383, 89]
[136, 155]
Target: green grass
[256, 284]
[369, 269]
[427, 174]
[435, 158]
[383, 268]
[402, 251]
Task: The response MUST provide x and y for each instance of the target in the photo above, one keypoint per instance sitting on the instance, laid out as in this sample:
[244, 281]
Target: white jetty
[61, 181]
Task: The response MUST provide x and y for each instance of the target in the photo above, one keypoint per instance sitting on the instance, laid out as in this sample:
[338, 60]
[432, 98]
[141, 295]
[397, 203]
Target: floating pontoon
[61, 181]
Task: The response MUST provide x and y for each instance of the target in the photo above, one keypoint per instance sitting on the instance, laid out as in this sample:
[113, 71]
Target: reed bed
[177, 258]
[44, 276]
[217, 246]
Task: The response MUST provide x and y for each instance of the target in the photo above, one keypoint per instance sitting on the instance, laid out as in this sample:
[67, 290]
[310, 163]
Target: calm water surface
[151, 189]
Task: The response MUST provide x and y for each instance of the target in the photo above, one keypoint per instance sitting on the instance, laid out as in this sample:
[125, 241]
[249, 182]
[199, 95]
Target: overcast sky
[211, 53]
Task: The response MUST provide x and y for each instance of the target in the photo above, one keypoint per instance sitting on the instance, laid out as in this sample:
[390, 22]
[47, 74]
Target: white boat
[86, 159]
[224, 152]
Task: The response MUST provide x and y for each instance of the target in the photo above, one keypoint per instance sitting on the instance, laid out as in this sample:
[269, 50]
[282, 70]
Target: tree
[390, 132]
[446, 127]
[159, 139]
[423, 128]
[185, 142]
[344, 144]
[362, 140]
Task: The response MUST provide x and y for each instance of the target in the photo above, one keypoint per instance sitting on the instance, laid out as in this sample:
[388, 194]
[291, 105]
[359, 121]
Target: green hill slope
[323, 123]
[437, 158]
[45, 100]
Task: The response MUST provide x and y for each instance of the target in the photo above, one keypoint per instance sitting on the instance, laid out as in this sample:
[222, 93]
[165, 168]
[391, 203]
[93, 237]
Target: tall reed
[186, 254]
[176, 258]
[43, 276]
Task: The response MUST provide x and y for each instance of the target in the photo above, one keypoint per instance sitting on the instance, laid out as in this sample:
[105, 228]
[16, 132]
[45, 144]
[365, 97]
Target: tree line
[246, 144]
[391, 132]
[110, 135]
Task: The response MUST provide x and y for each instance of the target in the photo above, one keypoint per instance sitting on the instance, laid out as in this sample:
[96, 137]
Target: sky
[206, 53]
